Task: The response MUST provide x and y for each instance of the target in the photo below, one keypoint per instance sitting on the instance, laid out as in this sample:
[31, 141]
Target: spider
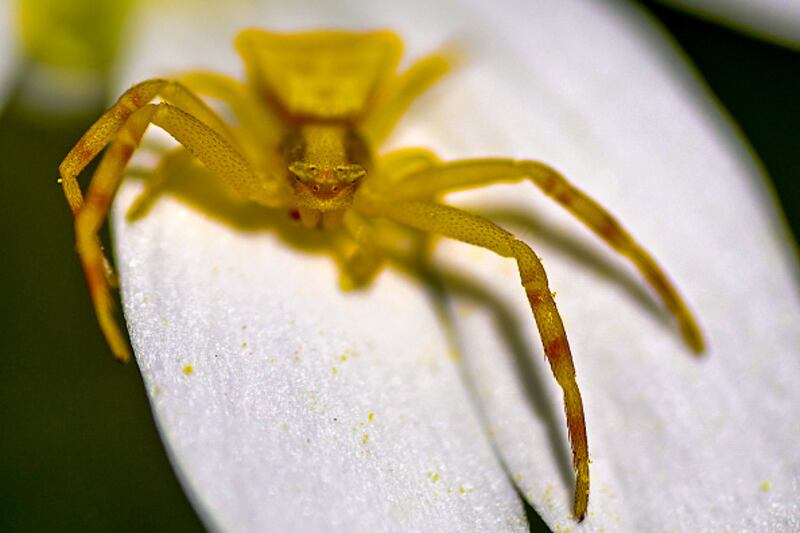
[311, 113]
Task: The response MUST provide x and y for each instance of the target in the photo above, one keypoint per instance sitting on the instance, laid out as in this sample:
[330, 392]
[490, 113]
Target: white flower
[287, 404]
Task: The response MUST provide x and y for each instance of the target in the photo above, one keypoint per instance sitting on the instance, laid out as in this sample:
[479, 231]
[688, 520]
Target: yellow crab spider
[313, 110]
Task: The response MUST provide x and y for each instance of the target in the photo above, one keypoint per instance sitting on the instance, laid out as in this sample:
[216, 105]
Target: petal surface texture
[287, 403]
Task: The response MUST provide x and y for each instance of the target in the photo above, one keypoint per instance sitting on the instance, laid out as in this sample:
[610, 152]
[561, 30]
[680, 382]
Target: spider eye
[349, 173]
[302, 172]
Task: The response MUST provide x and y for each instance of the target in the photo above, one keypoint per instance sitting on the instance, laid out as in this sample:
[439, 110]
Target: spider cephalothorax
[318, 104]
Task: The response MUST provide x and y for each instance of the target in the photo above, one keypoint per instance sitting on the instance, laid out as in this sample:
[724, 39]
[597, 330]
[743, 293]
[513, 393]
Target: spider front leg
[89, 219]
[205, 143]
[258, 126]
[108, 126]
[459, 175]
[398, 96]
[460, 225]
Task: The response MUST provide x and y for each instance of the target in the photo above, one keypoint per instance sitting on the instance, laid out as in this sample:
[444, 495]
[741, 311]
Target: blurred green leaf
[78, 34]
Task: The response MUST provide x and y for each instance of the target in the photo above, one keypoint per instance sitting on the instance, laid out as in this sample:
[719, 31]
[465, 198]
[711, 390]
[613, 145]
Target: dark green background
[78, 448]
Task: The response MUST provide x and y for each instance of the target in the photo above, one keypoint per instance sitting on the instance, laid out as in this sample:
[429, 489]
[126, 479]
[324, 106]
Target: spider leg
[460, 225]
[257, 121]
[363, 262]
[205, 143]
[459, 175]
[397, 165]
[400, 93]
[106, 128]
[88, 220]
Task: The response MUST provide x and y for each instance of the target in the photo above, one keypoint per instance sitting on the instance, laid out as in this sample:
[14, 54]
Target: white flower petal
[277, 438]
[675, 442]
[774, 20]
[285, 403]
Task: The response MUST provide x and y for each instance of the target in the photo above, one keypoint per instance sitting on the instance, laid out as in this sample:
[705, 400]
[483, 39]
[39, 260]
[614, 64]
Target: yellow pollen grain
[334, 370]
[365, 438]
[188, 369]
[462, 490]
[244, 344]
[344, 358]
[765, 486]
[371, 416]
